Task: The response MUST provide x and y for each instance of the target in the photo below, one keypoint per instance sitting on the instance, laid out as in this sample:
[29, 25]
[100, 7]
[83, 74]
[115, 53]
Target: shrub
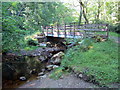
[32, 42]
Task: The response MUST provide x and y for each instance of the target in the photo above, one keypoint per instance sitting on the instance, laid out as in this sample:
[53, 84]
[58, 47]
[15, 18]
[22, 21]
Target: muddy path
[68, 81]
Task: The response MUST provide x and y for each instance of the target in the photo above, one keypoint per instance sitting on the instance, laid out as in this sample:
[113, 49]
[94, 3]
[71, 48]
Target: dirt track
[68, 81]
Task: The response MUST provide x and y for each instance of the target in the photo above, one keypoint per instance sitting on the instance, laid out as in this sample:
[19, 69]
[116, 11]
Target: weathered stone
[44, 76]
[33, 71]
[80, 76]
[56, 59]
[23, 78]
[49, 67]
[40, 74]
[43, 44]
[42, 58]
[55, 66]
[39, 77]
[43, 70]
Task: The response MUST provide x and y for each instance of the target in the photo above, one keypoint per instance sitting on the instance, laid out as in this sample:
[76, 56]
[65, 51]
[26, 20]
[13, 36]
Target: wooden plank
[91, 25]
[93, 29]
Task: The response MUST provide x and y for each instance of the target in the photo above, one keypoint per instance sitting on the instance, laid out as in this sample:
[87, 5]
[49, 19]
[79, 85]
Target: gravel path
[68, 81]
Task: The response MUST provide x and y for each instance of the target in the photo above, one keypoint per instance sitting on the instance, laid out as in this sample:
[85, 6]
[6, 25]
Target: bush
[32, 42]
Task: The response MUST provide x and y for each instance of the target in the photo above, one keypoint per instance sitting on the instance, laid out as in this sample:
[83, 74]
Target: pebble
[55, 66]
[23, 78]
[80, 76]
[40, 74]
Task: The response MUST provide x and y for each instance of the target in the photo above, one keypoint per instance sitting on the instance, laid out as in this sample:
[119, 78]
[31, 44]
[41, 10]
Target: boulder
[56, 59]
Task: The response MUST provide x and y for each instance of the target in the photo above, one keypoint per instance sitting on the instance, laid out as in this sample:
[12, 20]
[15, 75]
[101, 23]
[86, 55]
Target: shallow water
[17, 83]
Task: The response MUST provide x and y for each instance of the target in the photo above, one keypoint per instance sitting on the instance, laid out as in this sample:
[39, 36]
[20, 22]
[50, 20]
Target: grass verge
[100, 61]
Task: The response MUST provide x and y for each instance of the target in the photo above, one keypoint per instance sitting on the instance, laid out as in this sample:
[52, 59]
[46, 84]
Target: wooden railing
[73, 30]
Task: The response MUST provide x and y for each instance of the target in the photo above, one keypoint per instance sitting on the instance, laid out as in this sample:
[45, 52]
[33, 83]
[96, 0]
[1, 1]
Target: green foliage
[101, 61]
[57, 73]
[32, 42]
[20, 19]
[29, 48]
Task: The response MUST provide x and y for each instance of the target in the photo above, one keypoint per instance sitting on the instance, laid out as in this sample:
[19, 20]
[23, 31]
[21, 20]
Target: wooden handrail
[73, 29]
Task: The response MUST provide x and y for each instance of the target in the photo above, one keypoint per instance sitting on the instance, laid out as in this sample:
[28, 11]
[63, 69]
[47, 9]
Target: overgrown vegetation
[20, 19]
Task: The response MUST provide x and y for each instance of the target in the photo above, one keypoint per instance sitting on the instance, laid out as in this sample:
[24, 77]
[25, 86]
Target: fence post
[107, 33]
[52, 31]
[47, 30]
[58, 30]
[70, 28]
[74, 29]
[65, 29]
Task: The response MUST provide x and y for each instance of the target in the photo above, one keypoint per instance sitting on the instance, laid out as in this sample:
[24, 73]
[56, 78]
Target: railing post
[107, 32]
[74, 29]
[47, 30]
[58, 30]
[65, 29]
[70, 28]
[52, 31]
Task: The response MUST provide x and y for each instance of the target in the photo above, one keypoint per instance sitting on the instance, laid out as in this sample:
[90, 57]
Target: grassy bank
[101, 60]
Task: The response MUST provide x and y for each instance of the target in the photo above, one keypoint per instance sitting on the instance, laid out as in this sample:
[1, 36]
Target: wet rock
[43, 70]
[86, 78]
[42, 58]
[43, 44]
[49, 67]
[23, 78]
[44, 76]
[56, 59]
[40, 74]
[55, 66]
[33, 71]
[80, 76]
[46, 54]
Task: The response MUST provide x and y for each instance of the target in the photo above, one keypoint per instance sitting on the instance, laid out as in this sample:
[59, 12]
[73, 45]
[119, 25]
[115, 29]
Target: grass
[57, 73]
[101, 61]
[29, 48]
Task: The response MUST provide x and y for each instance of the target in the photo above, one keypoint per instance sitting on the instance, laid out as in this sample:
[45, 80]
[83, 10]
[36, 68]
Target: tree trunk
[98, 11]
[80, 17]
[83, 11]
[84, 14]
